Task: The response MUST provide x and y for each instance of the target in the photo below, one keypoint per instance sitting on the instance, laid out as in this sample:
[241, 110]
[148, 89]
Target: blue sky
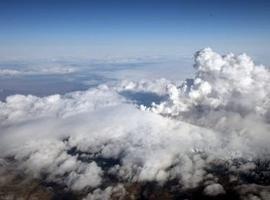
[99, 28]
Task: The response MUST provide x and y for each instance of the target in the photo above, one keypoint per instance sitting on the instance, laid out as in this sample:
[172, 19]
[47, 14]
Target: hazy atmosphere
[104, 100]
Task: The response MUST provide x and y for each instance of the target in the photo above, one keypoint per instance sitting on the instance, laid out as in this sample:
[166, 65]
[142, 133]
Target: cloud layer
[41, 70]
[80, 140]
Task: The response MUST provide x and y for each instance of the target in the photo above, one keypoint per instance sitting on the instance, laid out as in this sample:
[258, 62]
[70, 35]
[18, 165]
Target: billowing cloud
[102, 140]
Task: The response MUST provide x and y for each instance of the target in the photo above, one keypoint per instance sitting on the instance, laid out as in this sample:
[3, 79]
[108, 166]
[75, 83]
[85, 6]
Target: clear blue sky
[97, 28]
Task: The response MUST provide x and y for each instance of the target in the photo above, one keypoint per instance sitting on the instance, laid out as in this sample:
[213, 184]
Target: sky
[103, 28]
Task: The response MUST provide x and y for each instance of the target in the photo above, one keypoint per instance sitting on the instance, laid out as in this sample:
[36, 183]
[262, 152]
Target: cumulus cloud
[87, 140]
[231, 82]
[228, 94]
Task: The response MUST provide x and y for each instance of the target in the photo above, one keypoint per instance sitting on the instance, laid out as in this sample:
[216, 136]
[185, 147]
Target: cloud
[94, 140]
[9, 72]
[226, 81]
[117, 191]
[55, 69]
[254, 192]
[214, 189]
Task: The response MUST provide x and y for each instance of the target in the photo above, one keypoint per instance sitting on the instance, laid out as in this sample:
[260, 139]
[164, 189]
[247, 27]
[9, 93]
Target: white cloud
[79, 138]
[54, 69]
